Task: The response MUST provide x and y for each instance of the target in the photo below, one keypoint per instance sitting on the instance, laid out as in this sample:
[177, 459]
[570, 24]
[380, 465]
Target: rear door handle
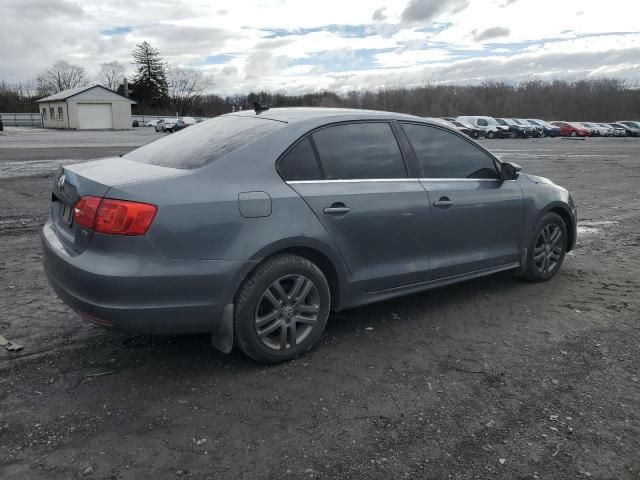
[336, 209]
[443, 203]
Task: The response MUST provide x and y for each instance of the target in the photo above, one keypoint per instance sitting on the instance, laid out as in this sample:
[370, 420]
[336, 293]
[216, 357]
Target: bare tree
[60, 76]
[111, 75]
[187, 87]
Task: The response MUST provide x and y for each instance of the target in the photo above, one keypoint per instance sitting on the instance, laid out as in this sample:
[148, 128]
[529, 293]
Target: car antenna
[259, 108]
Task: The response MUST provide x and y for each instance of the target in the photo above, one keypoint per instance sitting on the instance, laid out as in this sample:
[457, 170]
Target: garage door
[94, 115]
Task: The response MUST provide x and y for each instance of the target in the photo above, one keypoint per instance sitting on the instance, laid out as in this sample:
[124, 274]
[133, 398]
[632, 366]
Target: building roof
[65, 94]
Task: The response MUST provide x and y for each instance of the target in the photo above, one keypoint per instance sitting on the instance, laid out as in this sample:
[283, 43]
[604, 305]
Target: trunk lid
[96, 179]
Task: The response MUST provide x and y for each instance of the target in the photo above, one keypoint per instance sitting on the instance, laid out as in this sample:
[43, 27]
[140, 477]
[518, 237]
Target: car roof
[304, 114]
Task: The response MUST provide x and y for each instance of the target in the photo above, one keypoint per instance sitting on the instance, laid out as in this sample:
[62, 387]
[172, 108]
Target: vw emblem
[61, 181]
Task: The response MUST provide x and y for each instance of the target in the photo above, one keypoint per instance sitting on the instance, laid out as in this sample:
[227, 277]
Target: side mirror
[510, 171]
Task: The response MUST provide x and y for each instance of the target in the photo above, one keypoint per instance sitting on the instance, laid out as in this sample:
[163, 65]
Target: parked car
[570, 129]
[460, 126]
[593, 130]
[629, 131]
[517, 131]
[604, 130]
[188, 121]
[534, 131]
[253, 228]
[548, 130]
[151, 123]
[489, 125]
[165, 124]
[135, 123]
[179, 125]
[618, 131]
[1, 124]
[635, 126]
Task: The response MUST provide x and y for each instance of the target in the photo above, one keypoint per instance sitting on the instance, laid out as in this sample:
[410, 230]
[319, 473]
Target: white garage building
[86, 108]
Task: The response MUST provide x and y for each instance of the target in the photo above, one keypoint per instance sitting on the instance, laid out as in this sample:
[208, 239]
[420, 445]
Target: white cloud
[296, 45]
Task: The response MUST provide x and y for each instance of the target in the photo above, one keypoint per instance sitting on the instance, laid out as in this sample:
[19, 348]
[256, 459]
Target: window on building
[60, 113]
[52, 112]
[44, 113]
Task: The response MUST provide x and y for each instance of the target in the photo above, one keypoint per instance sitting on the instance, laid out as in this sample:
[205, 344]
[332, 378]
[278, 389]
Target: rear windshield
[206, 142]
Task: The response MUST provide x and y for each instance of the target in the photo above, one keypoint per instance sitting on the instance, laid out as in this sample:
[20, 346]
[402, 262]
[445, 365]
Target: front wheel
[490, 134]
[546, 249]
[281, 309]
[574, 133]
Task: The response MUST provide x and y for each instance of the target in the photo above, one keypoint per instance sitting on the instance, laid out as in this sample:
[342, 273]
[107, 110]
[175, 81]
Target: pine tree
[149, 85]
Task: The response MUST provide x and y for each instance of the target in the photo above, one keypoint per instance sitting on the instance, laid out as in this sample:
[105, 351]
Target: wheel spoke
[308, 308]
[268, 294]
[279, 291]
[283, 336]
[300, 281]
[555, 256]
[539, 256]
[271, 328]
[293, 338]
[545, 234]
[269, 317]
[538, 250]
[305, 320]
[555, 238]
[557, 250]
[308, 285]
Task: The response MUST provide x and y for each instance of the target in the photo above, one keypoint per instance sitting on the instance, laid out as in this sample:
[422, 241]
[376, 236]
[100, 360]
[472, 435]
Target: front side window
[359, 151]
[482, 122]
[60, 113]
[300, 163]
[443, 154]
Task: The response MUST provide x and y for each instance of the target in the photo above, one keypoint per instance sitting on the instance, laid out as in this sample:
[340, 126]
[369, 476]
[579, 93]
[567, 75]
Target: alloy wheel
[287, 312]
[547, 252]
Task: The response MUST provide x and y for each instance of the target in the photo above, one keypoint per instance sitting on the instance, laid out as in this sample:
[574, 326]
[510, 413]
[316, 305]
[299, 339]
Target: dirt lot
[494, 378]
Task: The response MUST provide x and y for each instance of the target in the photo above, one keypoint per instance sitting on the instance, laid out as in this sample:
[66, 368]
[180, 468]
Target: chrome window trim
[363, 180]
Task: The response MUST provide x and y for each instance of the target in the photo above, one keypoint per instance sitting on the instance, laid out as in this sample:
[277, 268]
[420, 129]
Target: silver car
[255, 225]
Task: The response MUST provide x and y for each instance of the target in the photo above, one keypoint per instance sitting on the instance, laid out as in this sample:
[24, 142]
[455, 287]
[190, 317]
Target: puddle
[593, 227]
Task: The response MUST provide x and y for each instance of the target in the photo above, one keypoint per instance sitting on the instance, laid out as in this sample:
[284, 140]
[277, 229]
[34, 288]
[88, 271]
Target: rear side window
[205, 142]
[300, 163]
[443, 154]
[359, 151]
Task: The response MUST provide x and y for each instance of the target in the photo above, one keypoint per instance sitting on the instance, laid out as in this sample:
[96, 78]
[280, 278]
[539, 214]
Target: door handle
[336, 209]
[443, 203]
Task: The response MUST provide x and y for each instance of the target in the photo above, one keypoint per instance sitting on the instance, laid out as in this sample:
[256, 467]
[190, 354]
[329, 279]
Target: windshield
[204, 142]
[491, 121]
[501, 121]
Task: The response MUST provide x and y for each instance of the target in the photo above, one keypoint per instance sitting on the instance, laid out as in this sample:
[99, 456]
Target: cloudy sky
[302, 45]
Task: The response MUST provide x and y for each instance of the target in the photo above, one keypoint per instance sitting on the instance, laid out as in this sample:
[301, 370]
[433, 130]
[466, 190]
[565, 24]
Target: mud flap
[523, 262]
[222, 337]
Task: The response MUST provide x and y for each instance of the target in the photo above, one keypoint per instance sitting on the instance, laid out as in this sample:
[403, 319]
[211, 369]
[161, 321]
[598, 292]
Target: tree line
[162, 89]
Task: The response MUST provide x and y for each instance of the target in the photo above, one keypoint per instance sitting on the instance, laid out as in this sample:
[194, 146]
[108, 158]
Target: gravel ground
[493, 378]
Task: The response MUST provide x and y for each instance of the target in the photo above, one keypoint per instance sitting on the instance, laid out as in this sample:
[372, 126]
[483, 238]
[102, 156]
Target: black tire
[490, 135]
[538, 246]
[251, 297]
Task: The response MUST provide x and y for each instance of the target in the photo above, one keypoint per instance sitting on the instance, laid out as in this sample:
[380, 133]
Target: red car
[568, 129]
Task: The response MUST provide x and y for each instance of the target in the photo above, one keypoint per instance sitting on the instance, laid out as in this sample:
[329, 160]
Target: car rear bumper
[138, 290]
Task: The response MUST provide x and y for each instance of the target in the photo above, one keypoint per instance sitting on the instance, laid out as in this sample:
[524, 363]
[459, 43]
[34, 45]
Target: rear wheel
[490, 134]
[546, 249]
[281, 309]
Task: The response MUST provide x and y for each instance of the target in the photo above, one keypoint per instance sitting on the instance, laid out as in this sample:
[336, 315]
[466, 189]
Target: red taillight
[114, 217]
[85, 211]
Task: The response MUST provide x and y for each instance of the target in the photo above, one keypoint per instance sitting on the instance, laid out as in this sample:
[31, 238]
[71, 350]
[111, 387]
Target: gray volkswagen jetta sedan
[253, 226]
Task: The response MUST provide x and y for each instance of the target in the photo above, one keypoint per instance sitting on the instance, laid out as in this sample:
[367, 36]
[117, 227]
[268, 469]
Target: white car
[488, 125]
[165, 124]
[188, 120]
